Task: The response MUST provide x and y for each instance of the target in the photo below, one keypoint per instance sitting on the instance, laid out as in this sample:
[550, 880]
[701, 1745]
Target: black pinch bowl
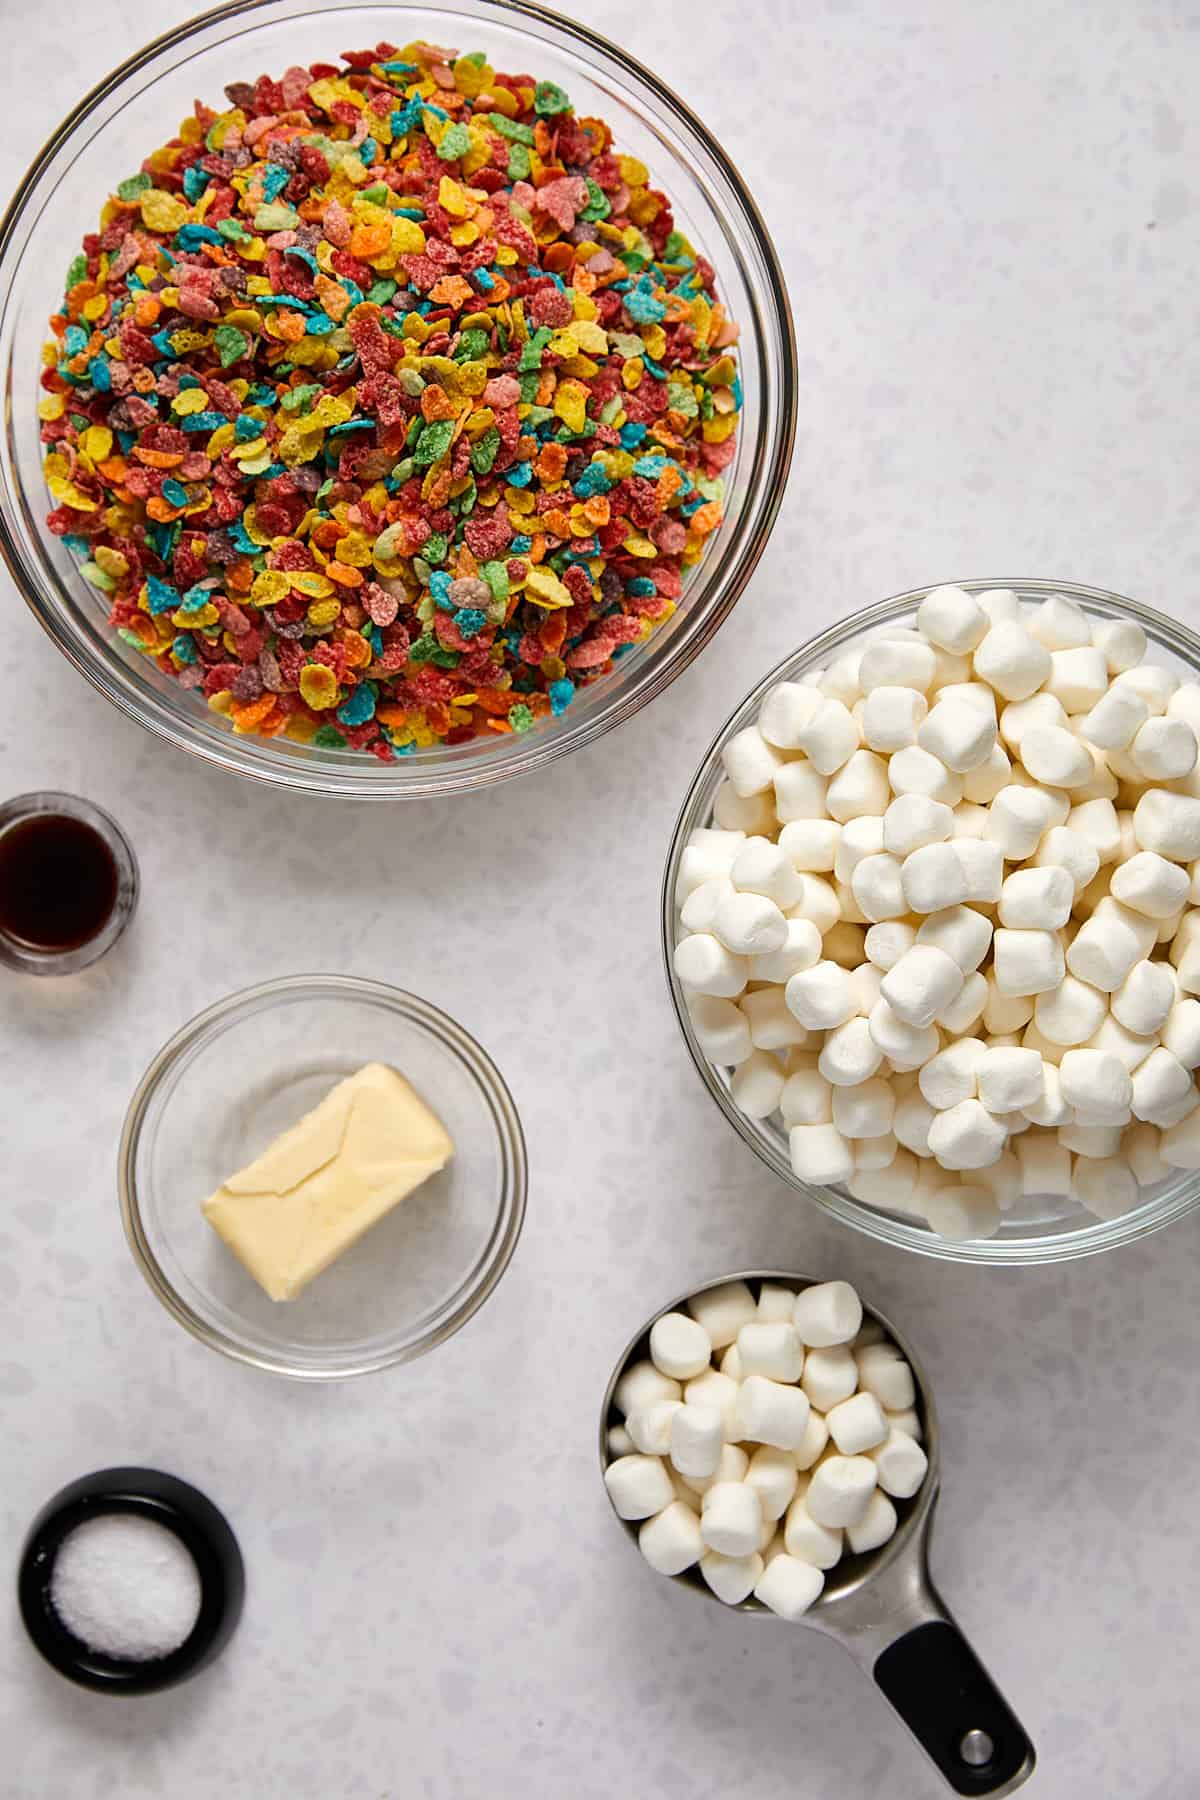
[167, 1501]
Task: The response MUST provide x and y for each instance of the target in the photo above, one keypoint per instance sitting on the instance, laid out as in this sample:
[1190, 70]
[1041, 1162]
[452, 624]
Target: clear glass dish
[136, 108]
[244, 1070]
[1044, 1230]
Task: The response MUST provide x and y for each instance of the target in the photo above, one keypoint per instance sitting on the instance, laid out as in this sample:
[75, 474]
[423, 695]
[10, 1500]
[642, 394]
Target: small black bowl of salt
[130, 1581]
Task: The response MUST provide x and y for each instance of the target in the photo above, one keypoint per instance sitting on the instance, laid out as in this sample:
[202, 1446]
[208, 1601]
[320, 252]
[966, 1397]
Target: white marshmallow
[1096, 1084]
[1150, 884]
[966, 1136]
[1179, 1146]
[750, 762]
[807, 1099]
[911, 1121]
[915, 771]
[1056, 756]
[708, 856]
[705, 965]
[1140, 1149]
[966, 1008]
[906, 1421]
[890, 1187]
[900, 1465]
[826, 1314]
[1164, 1092]
[1001, 605]
[820, 1153]
[775, 1304]
[1036, 899]
[918, 986]
[639, 1486]
[757, 1085]
[857, 1424]
[959, 734]
[1017, 820]
[906, 1046]
[812, 1445]
[818, 903]
[1185, 953]
[697, 1434]
[1145, 998]
[982, 864]
[970, 821]
[730, 1364]
[1005, 1012]
[860, 788]
[679, 1346]
[1107, 945]
[1096, 821]
[810, 845]
[1070, 1013]
[799, 791]
[650, 1431]
[932, 878]
[1181, 1033]
[897, 662]
[1011, 661]
[840, 1490]
[952, 619]
[619, 1441]
[1100, 1141]
[840, 680]
[961, 933]
[801, 949]
[849, 1054]
[1022, 716]
[1026, 962]
[643, 1386]
[883, 1372]
[982, 783]
[864, 1111]
[1106, 1187]
[1115, 719]
[671, 1541]
[722, 1030]
[1063, 848]
[829, 738]
[1122, 642]
[1059, 623]
[1113, 1039]
[1164, 749]
[878, 888]
[722, 1311]
[772, 1026]
[913, 821]
[699, 910]
[770, 1412]
[821, 998]
[749, 924]
[885, 944]
[1009, 1080]
[1168, 824]
[876, 1527]
[830, 1376]
[770, 1348]
[816, 1546]
[1045, 1164]
[952, 1075]
[731, 1518]
[731, 1578]
[761, 867]
[749, 813]
[1078, 677]
[860, 838]
[891, 716]
[772, 1475]
[784, 713]
[789, 1587]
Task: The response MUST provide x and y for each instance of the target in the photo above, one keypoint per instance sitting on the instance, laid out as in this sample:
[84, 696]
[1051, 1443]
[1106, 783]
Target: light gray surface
[989, 222]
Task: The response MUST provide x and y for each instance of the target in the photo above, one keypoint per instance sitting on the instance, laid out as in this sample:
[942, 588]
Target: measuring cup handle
[949, 1702]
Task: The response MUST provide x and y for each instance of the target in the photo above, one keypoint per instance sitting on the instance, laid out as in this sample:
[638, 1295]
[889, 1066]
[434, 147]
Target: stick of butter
[328, 1179]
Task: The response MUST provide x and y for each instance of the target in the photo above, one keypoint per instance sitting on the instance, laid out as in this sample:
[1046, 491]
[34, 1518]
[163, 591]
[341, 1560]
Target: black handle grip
[949, 1702]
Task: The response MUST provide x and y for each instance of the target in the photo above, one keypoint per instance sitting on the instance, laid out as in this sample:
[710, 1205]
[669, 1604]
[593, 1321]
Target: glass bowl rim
[510, 1212]
[1066, 1246]
[362, 777]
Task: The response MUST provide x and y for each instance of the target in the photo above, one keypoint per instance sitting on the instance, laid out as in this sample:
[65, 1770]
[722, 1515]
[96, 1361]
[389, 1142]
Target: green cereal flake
[77, 269]
[455, 143]
[548, 99]
[519, 165]
[485, 450]
[328, 737]
[496, 576]
[134, 185]
[512, 129]
[231, 344]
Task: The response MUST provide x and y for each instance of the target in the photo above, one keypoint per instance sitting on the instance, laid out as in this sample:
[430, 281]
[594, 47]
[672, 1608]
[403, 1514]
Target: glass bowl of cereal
[1115, 1004]
[402, 423]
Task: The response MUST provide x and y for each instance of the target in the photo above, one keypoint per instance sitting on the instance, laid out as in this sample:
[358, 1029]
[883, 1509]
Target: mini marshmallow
[757, 1085]
[820, 1153]
[1096, 1084]
[769, 1412]
[1128, 1047]
[1168, 824]
[731, 1364]
[1036, 899]
[857, 1424]
[915, 771]
[751, 813]
[788, 1587]
[1107, 1187]
[643, 1386]
[772, 1475]
[864, 1111]
[1059, 623]
[913, 821]
[807, 1099]
[821, 998]
[731, 1578]
[890, 1187]
[1009, 1079]
[1151, 885]
[1164, 749]
[950, 618]
[810, 845]
[671, 1541]
[697, 1434]
[918, 986]
[906, 1046]
[840, 1490]
[830, 1375]
[897, 662]
[964, 935]
[818, 903]
[1017, 819]
[827, 1313]
[1005, 1012]
[876, 1527]
[1101, 1141]
[952, 1075]
[749, 924]
[860, 838]
[878, 888]
[703, 963]
[965, 1010]
[1144, 999]
[883, 1372]
[933, 878]
[1122, 643]
[722, 1311]
[772, 1026]
[1140, 1148]
[775, 1305]
[1181, 1033]
[812, 1444]
[885, 944]
[969, 821]
[638, 1486]
[966, 1136]
[799, 792]
[1185, 954]
[1096, 821]
[1057, 757]
[1011, 661]
[785, 711]
[1070, 1013]
[1002, 605]
[891, 716]
[770, 1348]
[841, 679]
[818, 1546]
[1068, 850]
[860, 788]
[1180, 1144]
[866, 981]
[982, 783]
[650, 1431]
[1022, 716]
[906, 1421]
[721, 1029]
[1078, 677]
[1115, 719]
[849, 1055]
[900, 1465]
[911, 1122]
[1027, 962]
[619, 1441]
[708, 857]
[750, 762]
[1107, 945]
[731, 1518]
[801, 949]
[679, 1346]
[1045, 1164]
[761, 867]
[699, 910]
[982, 864]
[829, 738]
[1164, 1092]
[959, 734]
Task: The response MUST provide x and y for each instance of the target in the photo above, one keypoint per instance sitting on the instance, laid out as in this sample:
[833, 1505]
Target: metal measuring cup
[883, 1608]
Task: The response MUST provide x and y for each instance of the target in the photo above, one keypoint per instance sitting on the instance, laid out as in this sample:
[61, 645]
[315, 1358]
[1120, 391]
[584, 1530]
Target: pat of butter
[328, 1179]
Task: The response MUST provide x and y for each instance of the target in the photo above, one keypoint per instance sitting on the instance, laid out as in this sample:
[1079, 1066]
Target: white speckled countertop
[990, 224]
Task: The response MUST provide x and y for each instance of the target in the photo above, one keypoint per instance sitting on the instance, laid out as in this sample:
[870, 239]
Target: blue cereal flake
[521, 545]
[195, 599]
[174, 493]
[470, 620]
[275, 179]
[194, 183]
[561, 695]
[439, 587]
[640, 588]
[631, 436]
[203, 421]
[190, 237]
[75, 339]
[160, 595]
[520, 475]
[593, 481]
[650, 466]
[183, 649]
[358, 706]
[643, 307]
[100, 375]
[247, 428]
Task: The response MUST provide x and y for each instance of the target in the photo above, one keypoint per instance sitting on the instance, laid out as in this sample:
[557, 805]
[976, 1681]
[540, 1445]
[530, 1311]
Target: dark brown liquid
[58, 882]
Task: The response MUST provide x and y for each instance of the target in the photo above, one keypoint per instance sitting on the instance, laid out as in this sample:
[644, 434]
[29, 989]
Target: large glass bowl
[245, 1070]
[137, 108]
[1041, 1231]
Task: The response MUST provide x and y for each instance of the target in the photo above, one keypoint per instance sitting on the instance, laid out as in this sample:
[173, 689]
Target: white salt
[126, 1587]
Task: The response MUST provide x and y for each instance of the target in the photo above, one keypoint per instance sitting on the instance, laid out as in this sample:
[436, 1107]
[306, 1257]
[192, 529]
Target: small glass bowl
[31, 959]
[1043, 1229]
[243, 1071]
[139, 106]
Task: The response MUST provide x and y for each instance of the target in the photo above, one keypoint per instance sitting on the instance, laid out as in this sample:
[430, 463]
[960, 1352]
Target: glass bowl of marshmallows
[931, 919]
